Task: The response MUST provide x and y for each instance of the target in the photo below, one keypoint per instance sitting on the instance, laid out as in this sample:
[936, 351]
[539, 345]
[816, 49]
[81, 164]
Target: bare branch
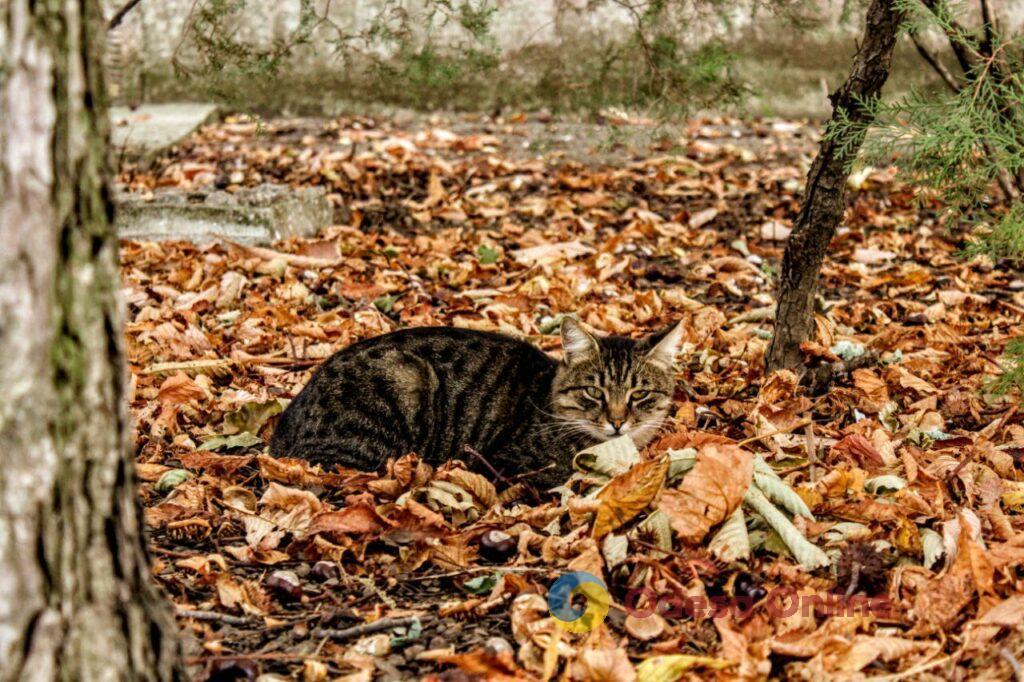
[955, 33]
[933, 61]
[120, 14]
[989, 27]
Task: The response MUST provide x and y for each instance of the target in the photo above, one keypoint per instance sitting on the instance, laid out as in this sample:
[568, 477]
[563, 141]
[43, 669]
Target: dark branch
[989, 26]
[955, 33]
[933, 61]
[825, 196]
[370, 628]
[120, 14]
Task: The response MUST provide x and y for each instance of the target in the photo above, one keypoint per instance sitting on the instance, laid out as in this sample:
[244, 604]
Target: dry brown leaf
[358, 518]
[603, 665]
[482, 489]
[860, 450]
[289, 470]
[500, 667]
[627, 495]
[710, 492]
[179, 389]
[873, 389]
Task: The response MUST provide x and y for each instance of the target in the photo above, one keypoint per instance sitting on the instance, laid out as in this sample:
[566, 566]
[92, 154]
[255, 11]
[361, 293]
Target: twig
[213, 615]
[988, 27]
[955, 35]
[917, 669]
[487, 464]
[476, 569]
[370, 628]
[812, 452]
[120, 14]
[531, 474]
[936, 65]
[854, 580]
[820, 378]
[268, 656]
[669, 552]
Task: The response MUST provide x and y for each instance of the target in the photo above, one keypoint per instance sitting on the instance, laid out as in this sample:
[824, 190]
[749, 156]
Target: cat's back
[423, 389]
[451, 350]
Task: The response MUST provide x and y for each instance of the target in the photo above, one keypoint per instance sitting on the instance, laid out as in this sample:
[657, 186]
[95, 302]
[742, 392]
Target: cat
[436, 390]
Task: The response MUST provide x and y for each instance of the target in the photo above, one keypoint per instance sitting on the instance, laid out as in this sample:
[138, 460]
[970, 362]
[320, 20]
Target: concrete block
[260, 215]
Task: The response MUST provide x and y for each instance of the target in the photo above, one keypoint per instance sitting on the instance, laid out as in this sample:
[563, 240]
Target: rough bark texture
[825, 195]
[76, 596]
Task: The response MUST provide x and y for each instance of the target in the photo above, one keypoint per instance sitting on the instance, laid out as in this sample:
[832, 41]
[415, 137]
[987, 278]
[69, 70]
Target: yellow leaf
[671, 668]
[1013, 495]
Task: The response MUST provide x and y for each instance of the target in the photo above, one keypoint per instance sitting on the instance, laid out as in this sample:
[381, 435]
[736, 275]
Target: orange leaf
[710, 492]
[359, 518]
[178, 389]
[627, 495]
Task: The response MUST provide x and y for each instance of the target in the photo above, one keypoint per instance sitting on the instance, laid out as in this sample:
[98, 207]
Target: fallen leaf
[627, 495]
[709, 492]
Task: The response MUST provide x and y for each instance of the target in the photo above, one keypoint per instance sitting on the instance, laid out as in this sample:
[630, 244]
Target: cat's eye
[637, 396]
[594, 392]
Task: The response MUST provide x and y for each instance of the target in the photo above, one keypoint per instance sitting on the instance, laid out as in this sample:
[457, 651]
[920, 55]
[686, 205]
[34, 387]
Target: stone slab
[260, 215]
[151, 128]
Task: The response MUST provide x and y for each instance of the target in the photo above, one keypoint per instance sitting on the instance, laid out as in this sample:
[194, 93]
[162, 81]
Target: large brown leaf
[627, 495]
[710, 492]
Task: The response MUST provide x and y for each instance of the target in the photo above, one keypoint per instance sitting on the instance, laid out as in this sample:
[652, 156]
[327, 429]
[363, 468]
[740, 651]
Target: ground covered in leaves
[894, 476]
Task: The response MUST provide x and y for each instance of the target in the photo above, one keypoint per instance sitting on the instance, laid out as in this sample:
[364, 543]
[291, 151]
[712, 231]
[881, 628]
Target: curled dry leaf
[482, 489]
[359, 518]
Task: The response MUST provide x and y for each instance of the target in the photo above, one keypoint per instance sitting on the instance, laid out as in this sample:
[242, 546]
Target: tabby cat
[436, 390]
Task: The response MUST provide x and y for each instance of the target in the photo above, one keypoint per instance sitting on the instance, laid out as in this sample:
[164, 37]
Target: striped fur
[436, 390]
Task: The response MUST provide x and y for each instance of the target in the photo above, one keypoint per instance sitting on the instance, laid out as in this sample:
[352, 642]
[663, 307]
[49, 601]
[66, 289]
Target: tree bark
[77, 600]
[825, 195]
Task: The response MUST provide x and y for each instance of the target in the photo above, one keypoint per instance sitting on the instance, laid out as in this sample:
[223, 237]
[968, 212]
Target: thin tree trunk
[77, 600]
[825, 194]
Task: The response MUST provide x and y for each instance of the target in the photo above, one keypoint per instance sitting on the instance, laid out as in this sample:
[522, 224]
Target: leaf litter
[901, 481]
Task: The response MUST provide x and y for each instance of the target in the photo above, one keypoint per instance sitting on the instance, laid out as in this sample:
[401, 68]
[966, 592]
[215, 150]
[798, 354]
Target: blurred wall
[792, 60]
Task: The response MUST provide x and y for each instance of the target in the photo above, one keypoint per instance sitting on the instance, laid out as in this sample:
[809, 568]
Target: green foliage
[443, 53]
[954, 146]
[223, 57]
[963, 146]
[1013, 368]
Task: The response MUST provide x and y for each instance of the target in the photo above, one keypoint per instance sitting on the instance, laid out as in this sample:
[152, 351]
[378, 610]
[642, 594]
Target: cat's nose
[617, 424]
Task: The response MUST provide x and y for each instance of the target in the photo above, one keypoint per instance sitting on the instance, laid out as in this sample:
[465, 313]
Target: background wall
[548, 48]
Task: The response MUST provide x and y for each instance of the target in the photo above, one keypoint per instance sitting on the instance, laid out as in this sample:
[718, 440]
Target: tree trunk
[77, 599]
[825, 195]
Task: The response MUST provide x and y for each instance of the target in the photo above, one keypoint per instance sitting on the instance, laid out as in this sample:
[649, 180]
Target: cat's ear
[664, 345]
[578, 345]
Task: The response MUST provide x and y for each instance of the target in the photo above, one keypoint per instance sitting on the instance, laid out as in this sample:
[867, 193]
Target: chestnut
[285, 584]
[497, 546]
[324, 571]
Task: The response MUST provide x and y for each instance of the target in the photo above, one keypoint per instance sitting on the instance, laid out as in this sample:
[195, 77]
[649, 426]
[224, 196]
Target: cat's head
[610, 386]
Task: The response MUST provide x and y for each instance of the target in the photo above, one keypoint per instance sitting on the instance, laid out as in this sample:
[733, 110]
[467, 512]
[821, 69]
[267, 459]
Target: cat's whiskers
[564, 426]
[648, 429]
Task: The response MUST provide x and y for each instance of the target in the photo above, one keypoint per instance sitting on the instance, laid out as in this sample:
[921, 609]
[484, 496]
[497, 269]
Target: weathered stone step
[260, 215]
